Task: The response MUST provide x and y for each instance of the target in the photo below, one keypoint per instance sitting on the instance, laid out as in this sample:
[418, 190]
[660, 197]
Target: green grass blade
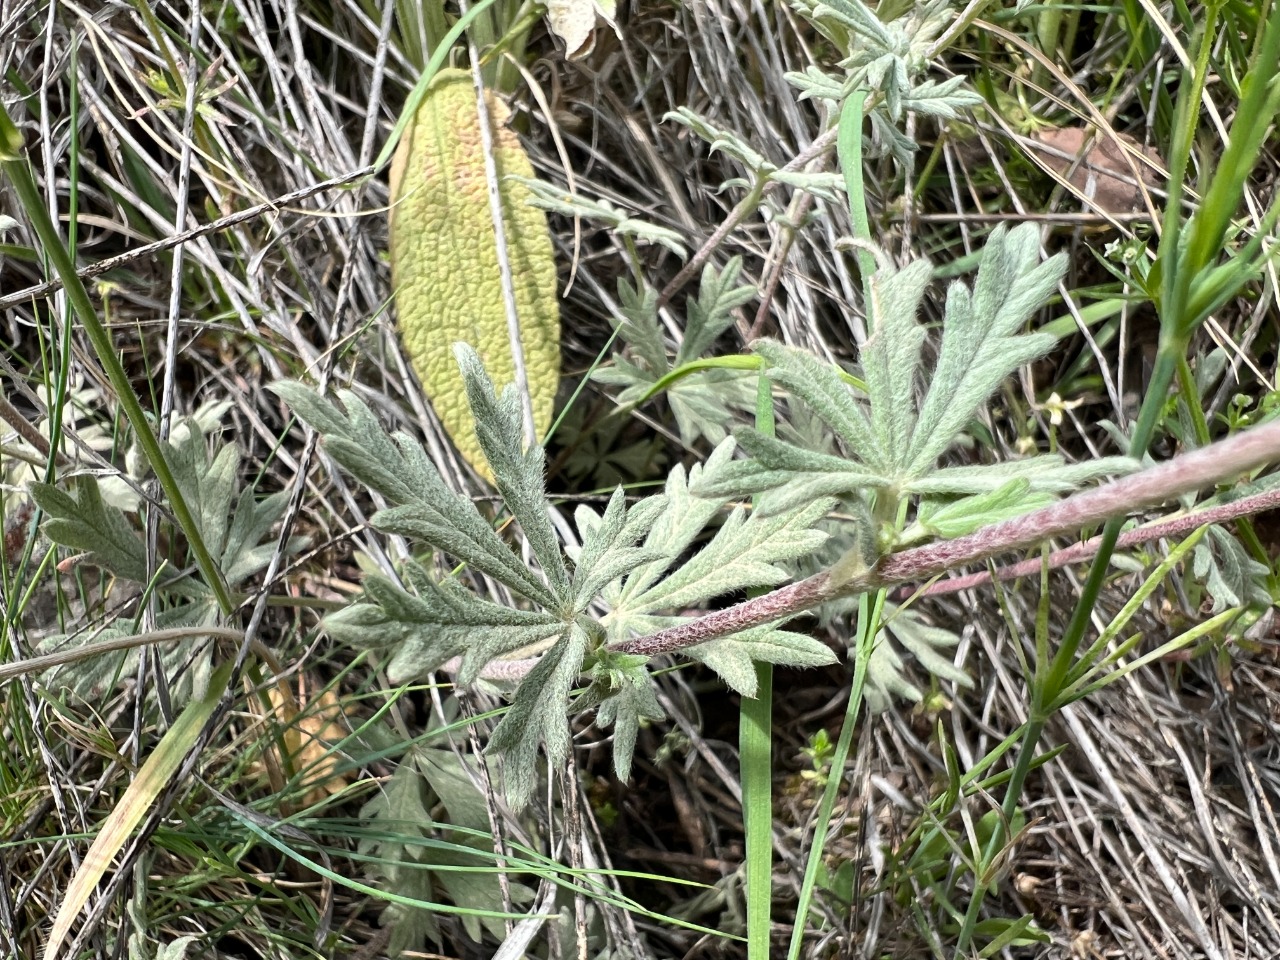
[154, 775]
[868, 627]
[14, 164]
[849, 151]
[755, 746]
[1259, 101]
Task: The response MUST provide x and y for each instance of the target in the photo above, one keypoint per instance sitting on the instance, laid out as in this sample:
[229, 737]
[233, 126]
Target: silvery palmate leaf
[705, 403]
[627, 564]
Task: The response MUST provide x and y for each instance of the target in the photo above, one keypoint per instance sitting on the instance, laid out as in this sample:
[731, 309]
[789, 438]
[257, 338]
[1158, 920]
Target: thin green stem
[849, 155]
[869, 613]
[14, 165]
[1191, 400]
[755, 745]
[1144, 429]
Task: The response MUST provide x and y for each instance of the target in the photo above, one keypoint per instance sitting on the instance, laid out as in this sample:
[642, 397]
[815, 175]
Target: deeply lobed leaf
[438, 622]
[818, 385]
[981, 343]
[891, 357]
[711, 313]
[733, 657]
[539, 714]
[607, 551]
[517, 471]
[85, 522]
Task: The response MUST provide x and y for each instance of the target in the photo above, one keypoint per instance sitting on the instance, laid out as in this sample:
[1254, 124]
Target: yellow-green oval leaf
[444, 258]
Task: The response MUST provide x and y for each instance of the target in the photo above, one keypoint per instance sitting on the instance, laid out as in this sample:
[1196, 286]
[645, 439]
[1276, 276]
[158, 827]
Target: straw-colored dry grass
[1153, 835]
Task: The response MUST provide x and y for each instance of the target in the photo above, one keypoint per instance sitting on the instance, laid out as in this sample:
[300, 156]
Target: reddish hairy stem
[1191, 471]
[784, 602]
[1175, 527]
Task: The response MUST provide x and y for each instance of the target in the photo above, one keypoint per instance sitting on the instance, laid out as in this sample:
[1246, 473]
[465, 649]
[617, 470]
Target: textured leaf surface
[85, 522]
[417, 857]
[607, 552]
[734, 657]
[622, 689]
[401, 806]
[444, 258]
[440, 621]
[517, 473]
[747, 551]
[399, 470]
[705, 403]
[929, 645]
[539, 713]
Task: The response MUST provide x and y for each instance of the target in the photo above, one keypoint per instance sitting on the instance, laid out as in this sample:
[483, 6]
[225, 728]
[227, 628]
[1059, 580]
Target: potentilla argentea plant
[582, 612]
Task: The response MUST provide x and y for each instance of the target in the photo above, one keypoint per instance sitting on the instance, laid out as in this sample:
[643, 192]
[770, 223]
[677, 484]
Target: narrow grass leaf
[153, 776]
[868, 628]
[755, 746]
[1259, 103]
[34, 205]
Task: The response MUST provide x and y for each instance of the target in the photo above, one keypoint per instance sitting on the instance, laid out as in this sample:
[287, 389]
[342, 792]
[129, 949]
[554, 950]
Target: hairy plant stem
[1193, 471]
[1162, 529]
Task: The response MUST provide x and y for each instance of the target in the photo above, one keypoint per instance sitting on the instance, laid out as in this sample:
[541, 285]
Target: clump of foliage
[231, 521]
[584, 609]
